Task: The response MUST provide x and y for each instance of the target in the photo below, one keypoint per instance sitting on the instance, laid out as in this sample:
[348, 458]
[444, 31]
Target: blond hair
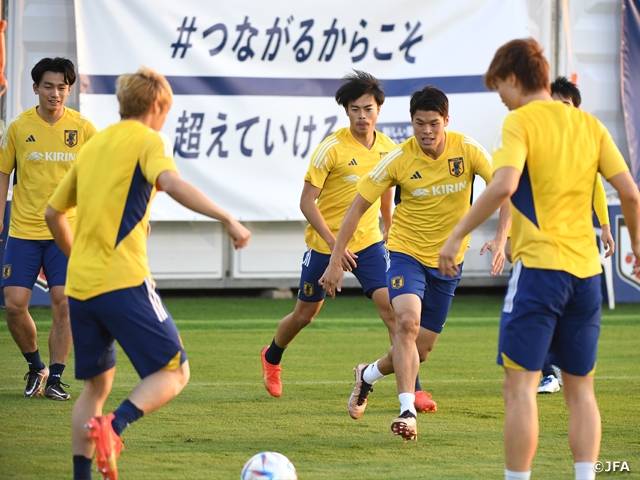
[136, 92]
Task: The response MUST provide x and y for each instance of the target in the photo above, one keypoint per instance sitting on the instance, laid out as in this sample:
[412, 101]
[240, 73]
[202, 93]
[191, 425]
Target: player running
[111, 293]
[433, 172]
[39, 146]
[335, 168]
[547, 160]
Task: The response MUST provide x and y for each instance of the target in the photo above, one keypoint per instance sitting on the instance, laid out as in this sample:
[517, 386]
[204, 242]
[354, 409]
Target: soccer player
[329, 186]
[40, 146]
[111, 293]
[433, 172]
[564, 90]
[547, 159]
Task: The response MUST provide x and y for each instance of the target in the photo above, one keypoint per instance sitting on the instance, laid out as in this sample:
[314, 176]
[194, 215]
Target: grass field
[224, 415]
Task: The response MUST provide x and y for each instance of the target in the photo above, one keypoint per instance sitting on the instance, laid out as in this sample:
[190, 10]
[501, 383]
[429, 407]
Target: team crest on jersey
[383, 154]
[70, 138]
[6, 271]
[307, 289]
[626, 259]
[456, 166]
[397, 282]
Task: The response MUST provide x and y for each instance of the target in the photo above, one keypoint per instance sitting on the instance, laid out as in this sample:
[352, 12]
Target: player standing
[433, 172]
[563, 90]
[111, 293]
[40, 145]
[547, 159]
[330, 184]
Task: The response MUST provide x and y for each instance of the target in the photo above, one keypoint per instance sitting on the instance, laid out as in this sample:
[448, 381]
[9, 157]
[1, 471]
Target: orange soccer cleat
[271, 376]
[108, 445]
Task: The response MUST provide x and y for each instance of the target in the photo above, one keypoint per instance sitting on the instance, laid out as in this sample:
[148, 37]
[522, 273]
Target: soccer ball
[269, 466]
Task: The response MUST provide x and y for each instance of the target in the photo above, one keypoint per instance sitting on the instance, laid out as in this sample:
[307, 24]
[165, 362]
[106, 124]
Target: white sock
[584, 471]
[509, 475]
[406, 403]
[371, 374]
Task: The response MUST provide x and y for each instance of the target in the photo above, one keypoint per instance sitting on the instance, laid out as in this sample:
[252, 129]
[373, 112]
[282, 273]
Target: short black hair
[564, 87]
[429, 99]
[57, 65]
[358, 84]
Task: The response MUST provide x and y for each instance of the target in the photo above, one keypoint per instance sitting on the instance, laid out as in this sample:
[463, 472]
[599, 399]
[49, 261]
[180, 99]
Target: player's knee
[303, 319]
[15, 310]
[407, 325]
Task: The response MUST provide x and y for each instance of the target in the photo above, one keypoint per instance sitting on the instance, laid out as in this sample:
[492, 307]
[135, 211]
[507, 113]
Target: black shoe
[55, 391]
[35, 380]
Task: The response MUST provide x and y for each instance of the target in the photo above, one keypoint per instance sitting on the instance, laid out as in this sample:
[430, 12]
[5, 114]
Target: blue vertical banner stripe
[630, 79]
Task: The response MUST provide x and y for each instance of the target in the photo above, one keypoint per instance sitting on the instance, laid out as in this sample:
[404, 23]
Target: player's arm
[630, 205]
[60, 229]
[4, 192]
[331, 280]
[7, 165]
[386, 210]
[63, 198]
[311, 212]
[189, 196]
[504, 184]
[602, 212]
[497, 245]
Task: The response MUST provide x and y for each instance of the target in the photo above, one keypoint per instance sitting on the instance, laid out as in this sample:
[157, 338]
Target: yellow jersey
[559, 152]
[431, 195]
[112, 182]
[336, 166]
[41, 154]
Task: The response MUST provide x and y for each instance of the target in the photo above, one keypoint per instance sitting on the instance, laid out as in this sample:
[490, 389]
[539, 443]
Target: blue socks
[33, 359]
[124, 415]
[273, 355]
[81, 467]
[55, 373]
[418, 386]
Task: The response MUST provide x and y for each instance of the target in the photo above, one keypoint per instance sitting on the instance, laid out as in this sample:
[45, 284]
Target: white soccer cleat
[549, 384]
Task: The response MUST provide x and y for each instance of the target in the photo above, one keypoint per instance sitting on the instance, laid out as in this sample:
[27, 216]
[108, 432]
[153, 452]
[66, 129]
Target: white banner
[254, 81]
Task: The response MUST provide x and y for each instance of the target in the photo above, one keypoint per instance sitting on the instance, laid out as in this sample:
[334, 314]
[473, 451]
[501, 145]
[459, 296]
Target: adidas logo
[353, 162]
[31, 139]
[415, 176]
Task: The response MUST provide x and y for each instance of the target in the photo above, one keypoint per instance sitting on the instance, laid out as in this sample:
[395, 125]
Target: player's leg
[59, 344]
[22, 263]
[406, 362]
[574, 349]
[95, 359]
[584, 418]
[533, 303]
[55, 269]
[88, 405]
[521, 418]
[310, 299]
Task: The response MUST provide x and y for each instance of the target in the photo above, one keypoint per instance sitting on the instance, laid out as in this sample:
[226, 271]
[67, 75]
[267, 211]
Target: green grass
[224, 415]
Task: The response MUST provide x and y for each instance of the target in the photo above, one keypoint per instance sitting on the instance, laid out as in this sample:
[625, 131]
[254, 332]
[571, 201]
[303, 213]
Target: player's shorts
[550, 311]
[137, 319]
[408, 275]
[23, 260]
[372, 263]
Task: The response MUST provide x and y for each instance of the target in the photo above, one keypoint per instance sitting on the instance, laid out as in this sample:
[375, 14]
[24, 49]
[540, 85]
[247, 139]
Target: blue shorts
[408, 275]
[550, 311]
[23, 260]
[372, 263]
[137, 319]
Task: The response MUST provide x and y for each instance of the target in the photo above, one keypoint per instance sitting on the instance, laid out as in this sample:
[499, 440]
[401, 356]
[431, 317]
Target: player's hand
[385, 234]
[1, 227]
[447, 257]
[238, 233]
[349, 260]
[331, 280]
[607, 241]
[498, 256]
